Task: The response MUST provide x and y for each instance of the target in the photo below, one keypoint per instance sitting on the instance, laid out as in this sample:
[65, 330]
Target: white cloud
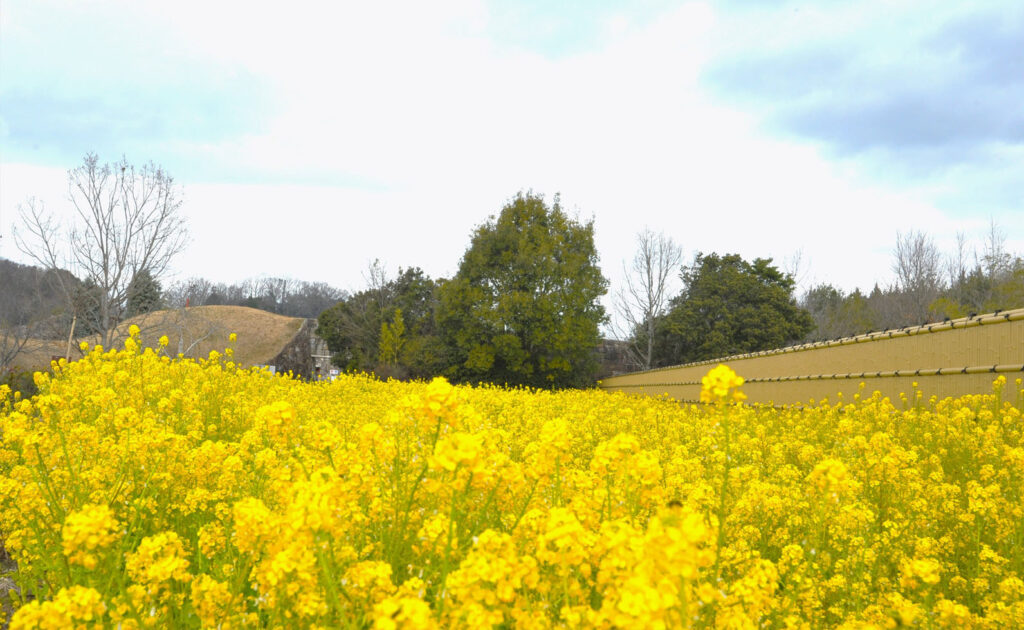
[426, 127]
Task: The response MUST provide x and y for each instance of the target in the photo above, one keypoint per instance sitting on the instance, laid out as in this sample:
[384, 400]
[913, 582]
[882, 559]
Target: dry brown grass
[36, 354]
[194, 332]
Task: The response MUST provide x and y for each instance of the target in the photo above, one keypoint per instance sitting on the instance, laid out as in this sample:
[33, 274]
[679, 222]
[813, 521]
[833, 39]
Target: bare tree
[192, 329]
[644, 294]
[274, 292]
[189, 292]
[376, 277]
[794, 266]
[284, 296]
[918, 267]
[125, 221]
[313, 298]
[12, 339]
[956, 263]
[996, 260]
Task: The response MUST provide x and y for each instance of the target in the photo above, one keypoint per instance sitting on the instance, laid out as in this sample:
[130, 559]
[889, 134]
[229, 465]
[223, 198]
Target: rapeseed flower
[87, 532]
[138, 490]
[721, 384]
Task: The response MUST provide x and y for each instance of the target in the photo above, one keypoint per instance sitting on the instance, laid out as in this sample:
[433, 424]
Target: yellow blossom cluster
[86, 532]
[720, 384]
[142, 491]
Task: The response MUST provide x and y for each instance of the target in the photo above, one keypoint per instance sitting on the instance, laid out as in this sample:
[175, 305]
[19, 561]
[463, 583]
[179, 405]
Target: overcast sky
[311, 138]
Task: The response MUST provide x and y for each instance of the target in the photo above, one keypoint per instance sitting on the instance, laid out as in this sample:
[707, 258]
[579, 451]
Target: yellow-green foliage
[140, 491]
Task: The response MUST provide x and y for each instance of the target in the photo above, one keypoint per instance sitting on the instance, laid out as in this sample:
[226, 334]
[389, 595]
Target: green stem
[722, 496]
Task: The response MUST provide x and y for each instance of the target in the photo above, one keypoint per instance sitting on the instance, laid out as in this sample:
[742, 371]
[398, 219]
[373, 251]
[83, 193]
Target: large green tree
[524, 307]
[731, 306]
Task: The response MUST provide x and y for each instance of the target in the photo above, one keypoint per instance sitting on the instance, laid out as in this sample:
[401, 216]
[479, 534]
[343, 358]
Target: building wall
[952, 358]
[296, 357]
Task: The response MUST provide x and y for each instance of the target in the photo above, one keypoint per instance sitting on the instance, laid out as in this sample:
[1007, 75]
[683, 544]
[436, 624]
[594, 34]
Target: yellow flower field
[140, 491]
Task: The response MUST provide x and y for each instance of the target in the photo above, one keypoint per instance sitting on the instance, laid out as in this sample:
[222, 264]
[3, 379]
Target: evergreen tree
[144, 294]
[731, 306]
[524, 307]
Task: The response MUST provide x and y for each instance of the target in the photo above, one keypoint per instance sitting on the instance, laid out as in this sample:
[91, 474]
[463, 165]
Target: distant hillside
[194, 332]
[31, 294]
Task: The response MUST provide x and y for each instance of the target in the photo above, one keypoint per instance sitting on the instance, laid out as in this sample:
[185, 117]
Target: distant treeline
[525, 307]
[31, 294]
[284, 296]
[730, 306]
[930, 286]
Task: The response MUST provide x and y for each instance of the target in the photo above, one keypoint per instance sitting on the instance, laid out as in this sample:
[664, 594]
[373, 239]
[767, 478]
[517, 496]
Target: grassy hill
[194, 332]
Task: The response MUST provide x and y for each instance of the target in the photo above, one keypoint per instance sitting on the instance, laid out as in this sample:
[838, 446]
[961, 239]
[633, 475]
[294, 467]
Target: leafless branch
[645, 292]
[126, 221]
[918, 268]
